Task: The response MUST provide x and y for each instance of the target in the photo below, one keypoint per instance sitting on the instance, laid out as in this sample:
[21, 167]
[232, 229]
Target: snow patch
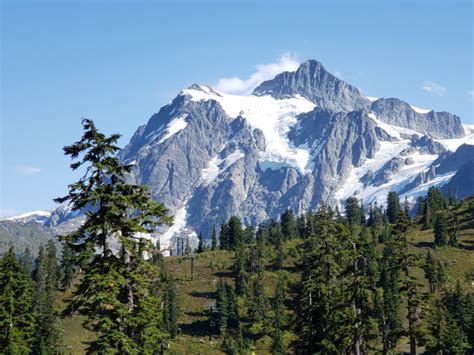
[420, 110]
[217, 165]
[453, 144]
[371, 98]
[177, 124]
[38, 216]
[274, 117]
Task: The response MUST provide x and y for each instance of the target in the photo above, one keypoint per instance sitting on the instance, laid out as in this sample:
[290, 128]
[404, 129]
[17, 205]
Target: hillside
[196, 293]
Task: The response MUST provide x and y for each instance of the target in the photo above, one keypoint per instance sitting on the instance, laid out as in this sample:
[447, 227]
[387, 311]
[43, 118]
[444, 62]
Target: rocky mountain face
[300, 138]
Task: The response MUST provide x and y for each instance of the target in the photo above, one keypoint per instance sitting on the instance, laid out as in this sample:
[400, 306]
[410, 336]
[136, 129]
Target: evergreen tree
[258, 301]
[454, 231]
[288, 225]
[279, 253]
[278, 346]
[440, 230]
[171, 309]
[16, 308]
[354, 212]
[47, 334]
[115, 293]
[431, 271]
[67, 266]
[236, 232]
[241, 274]
[301, 226]
[446, 337]
[214, 241]
[323, 303]
[440, 275]
[222, 307]
[393, 207]
[26, 262]
[200, 247]
[224, 241]
[388, 306]
[406, 207]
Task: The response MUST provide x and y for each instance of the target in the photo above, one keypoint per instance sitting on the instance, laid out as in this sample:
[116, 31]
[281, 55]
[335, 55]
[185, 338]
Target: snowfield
[274, 117]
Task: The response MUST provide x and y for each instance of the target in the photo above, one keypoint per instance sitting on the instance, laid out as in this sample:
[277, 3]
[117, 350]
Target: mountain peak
[313, 82]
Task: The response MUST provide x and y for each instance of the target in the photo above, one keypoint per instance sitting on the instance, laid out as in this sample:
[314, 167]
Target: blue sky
[119, 62]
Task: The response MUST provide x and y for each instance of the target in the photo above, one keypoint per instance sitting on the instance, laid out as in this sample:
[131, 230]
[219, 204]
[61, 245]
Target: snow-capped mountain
[300, 138]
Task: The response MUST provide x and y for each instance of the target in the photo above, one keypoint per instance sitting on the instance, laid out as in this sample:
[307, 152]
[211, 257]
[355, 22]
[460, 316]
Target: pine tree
[171, 309]
[47, 334]
[278, 346]
[241, 274]
[222, 307]
[258, 301]
[393, 207]
[224, 238]
[16, 307]
[388, 305]
[235, 232]
[301, 226]
[279, 253]
[454, 231]
[115, 292]
[200, 247]
[288, 225]
[26, 262]
[431, 273]
[323, 305]
[440, 275]
[214, 241]
[440, 230]
[354, 212]
[67, 266]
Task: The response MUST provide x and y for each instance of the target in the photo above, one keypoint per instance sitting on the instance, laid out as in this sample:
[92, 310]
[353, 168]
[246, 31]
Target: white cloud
[433, 88]
[27, 170]
[238, 86]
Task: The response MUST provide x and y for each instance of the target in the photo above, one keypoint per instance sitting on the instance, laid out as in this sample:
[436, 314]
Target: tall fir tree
[17, 320]
[288, 224]
[200, 247]
[278, 346]
[67, 267]
[440, 230]
[393, 207]
[214, 239]
[47, 333]
[454, 231]
[171, 308]
[115, 292]
[26, 262]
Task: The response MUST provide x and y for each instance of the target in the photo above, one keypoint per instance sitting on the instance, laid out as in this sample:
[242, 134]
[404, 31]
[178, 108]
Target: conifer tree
[288, 224]
[354, 212]
[224, 241]
[200, 247]
[258, 301]
[323, 305]
[301, 226]
[222, 307]
[47, 334]
[393, 207]
[440, 230]
[214, 240]
[440, 275]
[171, 309]
[16, 307]
[26, 262]
[454, 231]
[67, 267]
[115, 292]
[430, 269]
[278, 346]
[241, 274]
[235, 232]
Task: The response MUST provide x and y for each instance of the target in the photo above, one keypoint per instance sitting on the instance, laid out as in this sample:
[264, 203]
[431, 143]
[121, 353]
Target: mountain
[300, 138]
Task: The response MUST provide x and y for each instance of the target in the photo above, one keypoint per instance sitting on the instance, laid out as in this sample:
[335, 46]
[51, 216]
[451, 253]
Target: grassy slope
[196, 296]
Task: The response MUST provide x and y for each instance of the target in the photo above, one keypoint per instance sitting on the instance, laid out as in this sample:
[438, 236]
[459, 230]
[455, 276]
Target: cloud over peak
[238, 86]
[433, 88]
